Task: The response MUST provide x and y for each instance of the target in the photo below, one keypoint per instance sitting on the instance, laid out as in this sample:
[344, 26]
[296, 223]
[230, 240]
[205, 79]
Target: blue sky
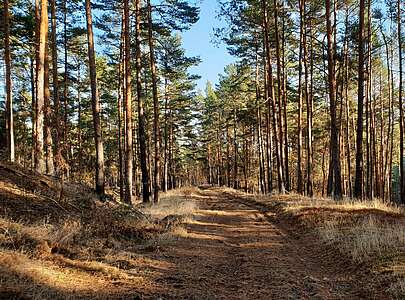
[197, 42]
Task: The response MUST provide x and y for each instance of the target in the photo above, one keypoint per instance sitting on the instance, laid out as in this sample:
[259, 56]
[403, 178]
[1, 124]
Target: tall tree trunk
[269, 137]
[309, 105]
[346, 96]
[259, 128]
[35, 99]
[121, 91]
[300, 187]
[334, 142]
[401, 108]
[284, 79]
[65, 83]
[166, 132]
[128, 109]
[156, 129]
[141, 112]
[369, 113]
[280, 94]
[50, 170]
[9, 98]
[56, 100]
[271, 99]
[43, 29]
[235, 153]
[95, 104]
[79, 118]
[33, 105]
[358, 181]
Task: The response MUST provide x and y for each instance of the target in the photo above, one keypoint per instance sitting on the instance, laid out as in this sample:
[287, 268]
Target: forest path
[238, 248]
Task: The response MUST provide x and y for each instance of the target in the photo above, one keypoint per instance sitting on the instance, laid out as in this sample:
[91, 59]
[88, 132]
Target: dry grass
[175, 202]
[369, 239]
[369, 232]
[175, 208]
[61, 242]
[365, 230]
[346, 205]
[80, 258]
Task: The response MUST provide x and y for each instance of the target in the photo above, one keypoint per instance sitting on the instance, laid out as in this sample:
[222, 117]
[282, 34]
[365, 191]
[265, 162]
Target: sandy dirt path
[238, 248]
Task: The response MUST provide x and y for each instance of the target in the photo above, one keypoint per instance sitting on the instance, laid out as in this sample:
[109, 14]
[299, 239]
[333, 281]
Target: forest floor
[208, 243]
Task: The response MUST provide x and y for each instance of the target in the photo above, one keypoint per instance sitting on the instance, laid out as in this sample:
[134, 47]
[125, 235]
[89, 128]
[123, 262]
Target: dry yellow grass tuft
[368, 232]
[175, 202]
[368, 239]
[295, 202]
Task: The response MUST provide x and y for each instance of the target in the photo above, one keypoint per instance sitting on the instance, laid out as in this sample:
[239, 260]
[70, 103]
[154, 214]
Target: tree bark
[9, 98]
[95, 104]
[156, 129]
[141, 112]
[358, 181]
[334, 142]
[50, 170]
[401, 108]
[280, 97]
[300, 188]
[39, 143]
[128, 108]
[65, 85]
[56, 100]
[271, 99]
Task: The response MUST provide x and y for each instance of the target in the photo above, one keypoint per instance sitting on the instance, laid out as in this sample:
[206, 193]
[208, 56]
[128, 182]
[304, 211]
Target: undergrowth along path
[240, 248]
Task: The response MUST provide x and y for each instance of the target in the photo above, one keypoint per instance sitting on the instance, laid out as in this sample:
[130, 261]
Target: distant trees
[76, 103]
[314, 103]
[326, 71]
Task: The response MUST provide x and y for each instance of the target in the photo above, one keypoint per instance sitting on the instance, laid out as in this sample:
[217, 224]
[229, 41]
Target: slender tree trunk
[166, 161]
[228, 155]
[284, 79]
[40, 166]
[156, 129]
[300, 187]
[259, 128]
[358, 181]
[79, 118]
[35, 99]
[50, 170]
[346, 96]
[56, 100]
[235, 153]
[141, 113]
[401, 107]
[120, 97]
[334, 143]
[269, 137]
[271, 99]
[309, 105]
[369, 115]
[65, 83]
[95, 104]
[33, 105]
[128, 109]
[9, 98]
[280, 94]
